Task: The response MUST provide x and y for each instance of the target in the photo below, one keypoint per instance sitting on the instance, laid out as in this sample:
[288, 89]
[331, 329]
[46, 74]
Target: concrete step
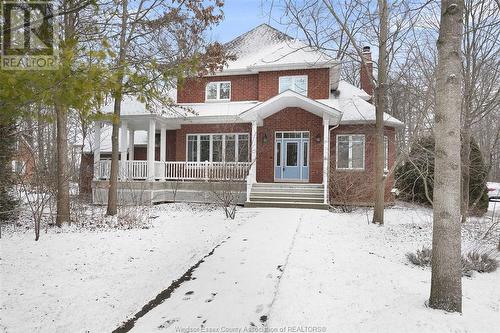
[288, 185]
[279, 204]
[284, 199]
[287, 190]
[301, 194]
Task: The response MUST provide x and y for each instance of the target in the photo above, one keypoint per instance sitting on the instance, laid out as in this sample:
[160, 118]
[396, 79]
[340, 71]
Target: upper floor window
[218, 91]
[351, 152]
[297, 83]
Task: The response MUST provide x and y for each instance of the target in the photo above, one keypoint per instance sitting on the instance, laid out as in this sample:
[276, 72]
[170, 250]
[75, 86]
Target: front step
[303, 205]
[287, 185]
[318, 195]
[285, 199]
[287, 195]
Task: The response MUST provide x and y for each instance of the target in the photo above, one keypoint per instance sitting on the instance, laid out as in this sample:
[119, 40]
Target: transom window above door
[297, 83]
[218, 91]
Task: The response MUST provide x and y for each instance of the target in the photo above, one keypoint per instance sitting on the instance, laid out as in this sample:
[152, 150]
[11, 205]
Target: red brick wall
[243, 88]
[171, 145]
[365, 73]
[318, 83]
[206, 128]
[289, 119]
[362, 179]
[254, 87]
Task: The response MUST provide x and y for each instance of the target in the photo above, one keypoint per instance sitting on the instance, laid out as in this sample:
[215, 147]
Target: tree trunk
[380, 103]
[466, 138]
[63, 212]
[446, 284]
[113, 174]
[40, 140]
[113, 177]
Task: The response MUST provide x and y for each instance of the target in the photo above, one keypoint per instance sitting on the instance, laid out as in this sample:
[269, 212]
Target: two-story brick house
[277, 120]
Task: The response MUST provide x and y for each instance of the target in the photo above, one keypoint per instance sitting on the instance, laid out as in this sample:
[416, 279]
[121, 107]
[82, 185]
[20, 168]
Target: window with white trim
[351, 152]
[218, 91]
[297, 83]
[217, 147]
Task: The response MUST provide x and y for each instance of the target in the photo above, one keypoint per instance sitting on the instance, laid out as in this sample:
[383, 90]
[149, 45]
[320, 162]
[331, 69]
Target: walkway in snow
[305, 268]
[235, 286]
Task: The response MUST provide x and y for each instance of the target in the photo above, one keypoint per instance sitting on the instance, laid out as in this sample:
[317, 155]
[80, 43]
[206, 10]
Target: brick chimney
[366, 82]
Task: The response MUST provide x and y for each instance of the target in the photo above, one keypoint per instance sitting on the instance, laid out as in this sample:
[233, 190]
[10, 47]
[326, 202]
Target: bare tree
[157, 43]
[340, 28]
[36, 188]
[481, 78]
[61, 110]
[380, 102]
[446, 284]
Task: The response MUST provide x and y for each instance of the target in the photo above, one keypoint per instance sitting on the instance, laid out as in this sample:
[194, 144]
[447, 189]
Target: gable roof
[265, 48]
[291, 98]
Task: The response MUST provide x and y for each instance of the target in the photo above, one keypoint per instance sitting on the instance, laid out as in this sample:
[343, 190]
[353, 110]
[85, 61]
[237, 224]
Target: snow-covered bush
[479, 262]
[471, 261]
[131, 217]
[421, 257]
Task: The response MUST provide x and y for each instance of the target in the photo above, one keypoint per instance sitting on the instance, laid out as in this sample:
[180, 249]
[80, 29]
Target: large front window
[351, 152]
[218, 91]
[297, 83]
[217, 147]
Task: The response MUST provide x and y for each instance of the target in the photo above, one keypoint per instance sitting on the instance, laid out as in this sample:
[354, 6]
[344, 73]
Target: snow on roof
[265, 48]
[347, 90]
[255, 39]
[140, 138]
[213, 109]
[129, 105]
[352, 102]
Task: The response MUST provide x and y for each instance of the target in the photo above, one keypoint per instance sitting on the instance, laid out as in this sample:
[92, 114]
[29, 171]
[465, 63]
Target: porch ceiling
[291, 99]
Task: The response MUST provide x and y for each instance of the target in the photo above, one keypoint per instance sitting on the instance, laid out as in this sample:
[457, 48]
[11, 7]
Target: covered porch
[158, 168]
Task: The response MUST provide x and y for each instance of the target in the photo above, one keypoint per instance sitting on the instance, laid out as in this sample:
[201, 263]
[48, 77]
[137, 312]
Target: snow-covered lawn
[272, 268]
[78, 281]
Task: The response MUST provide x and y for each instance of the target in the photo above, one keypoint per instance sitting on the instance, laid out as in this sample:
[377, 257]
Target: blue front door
[291, 156]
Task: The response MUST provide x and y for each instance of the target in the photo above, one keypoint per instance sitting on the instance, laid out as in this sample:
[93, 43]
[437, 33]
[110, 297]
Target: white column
[151, 149]
[163, 151]
[326, 157]
[252, 175]
[254, 150]
[163, 144]
[97, 149]
[131, 144]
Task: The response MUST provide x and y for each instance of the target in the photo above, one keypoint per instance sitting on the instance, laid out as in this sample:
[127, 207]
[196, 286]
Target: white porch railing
[138, 170]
